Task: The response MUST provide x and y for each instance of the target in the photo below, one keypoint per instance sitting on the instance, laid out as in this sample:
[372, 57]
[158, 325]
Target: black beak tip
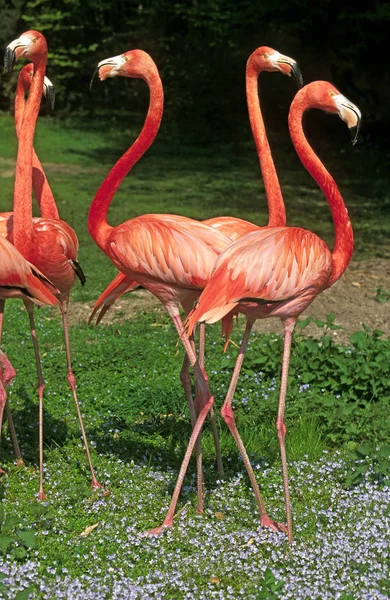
[93, 77]
[50, 97]
[297, 75]
[9, 60]
[354, 132]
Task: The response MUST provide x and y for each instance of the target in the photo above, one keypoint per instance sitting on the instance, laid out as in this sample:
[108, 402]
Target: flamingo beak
[354, 131]
[13, 51]
[288, 66]
[108, 68]
[49, 93]
[296, 74]
[9, 60]
[93, 77]
[350, 114]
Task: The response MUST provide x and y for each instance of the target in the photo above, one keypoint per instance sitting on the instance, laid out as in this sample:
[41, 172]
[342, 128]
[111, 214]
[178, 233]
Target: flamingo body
[273, 272]
[20, 279]
[232, 227]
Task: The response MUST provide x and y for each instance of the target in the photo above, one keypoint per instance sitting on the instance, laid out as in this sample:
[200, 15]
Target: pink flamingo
[262, 59]
[42, 191]
[158, 240]
[19, 279]
[48, 243]
[278, 272]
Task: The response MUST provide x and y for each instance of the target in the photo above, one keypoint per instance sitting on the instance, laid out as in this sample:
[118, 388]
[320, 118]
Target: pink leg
[19, 459]
[213, 422]
[205, 401]
[186, 383]
[72, 383]
[289, 325]
[228, 416]
[41, 386]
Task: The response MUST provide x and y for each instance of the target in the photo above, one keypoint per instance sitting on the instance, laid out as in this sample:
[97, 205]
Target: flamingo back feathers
[18, 278]
[232, 227]
[169, 251]
[272, 265]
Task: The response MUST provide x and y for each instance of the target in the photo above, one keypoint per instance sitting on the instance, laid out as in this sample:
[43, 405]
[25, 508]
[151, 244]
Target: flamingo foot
[266, 521]
[19, 462]
[42, 496]
[95, 483]
[157, 530]
[2, 472]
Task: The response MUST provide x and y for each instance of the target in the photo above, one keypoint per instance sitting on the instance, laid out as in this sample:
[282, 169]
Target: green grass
[136, 418]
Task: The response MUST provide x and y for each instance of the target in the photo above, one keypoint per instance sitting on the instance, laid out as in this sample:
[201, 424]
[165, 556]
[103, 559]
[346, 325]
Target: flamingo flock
[212, 270]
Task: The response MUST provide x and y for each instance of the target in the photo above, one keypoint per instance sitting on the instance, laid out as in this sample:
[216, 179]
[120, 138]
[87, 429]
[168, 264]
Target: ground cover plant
[86, 544]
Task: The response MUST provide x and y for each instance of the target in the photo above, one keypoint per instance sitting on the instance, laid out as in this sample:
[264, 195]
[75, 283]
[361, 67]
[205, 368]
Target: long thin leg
[14, 439]
[186, 383]
[72, 383]
[7, 373]
[205, 401]
[289, 325]
[228, 416]
[19, 459]
[213, 421]
[41, 386]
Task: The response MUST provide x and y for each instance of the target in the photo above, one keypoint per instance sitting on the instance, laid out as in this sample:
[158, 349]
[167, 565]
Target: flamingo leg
[205, 401]
[289, 325]
[186, 383]
[18, 455]
[72, 383]
[41, 386]
[228, 416]
[7, 373]
[213, 421]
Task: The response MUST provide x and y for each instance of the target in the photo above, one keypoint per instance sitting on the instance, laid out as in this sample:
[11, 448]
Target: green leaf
[24, 594]
[10, 523]
[19, 552]
[28, 538]
[5, 542]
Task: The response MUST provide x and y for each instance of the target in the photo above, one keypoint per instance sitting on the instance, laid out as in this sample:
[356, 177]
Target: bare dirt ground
[351, 299]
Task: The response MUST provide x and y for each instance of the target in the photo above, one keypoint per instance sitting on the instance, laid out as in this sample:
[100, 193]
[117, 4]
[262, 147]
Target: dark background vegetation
[201, 47]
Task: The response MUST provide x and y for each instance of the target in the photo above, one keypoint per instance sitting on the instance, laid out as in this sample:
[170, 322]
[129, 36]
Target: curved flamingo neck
[40, 184]
[343, 246]
[22, 231]
[276, 208]
[97, 219]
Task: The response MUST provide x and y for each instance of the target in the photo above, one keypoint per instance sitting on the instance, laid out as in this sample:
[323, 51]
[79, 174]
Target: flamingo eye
[34, 39]
[331, 94]
[266, 55]
[126, 58]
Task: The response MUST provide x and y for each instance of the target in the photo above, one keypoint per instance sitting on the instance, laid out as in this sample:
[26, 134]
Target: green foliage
[201, 49]
[15, 541]
[382, 295]
[269, 588]
[345, 389]
[368, 458]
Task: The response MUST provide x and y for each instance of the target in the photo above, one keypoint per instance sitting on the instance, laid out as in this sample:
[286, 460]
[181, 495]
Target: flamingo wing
[268, 266]
[19, 278]
[179, 255]
[119, 286]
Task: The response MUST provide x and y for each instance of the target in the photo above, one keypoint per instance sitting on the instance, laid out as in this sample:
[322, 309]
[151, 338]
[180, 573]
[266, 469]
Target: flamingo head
[25, 77]
[323, 95]
[31, 44]
[268, 59]
[134, 63]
